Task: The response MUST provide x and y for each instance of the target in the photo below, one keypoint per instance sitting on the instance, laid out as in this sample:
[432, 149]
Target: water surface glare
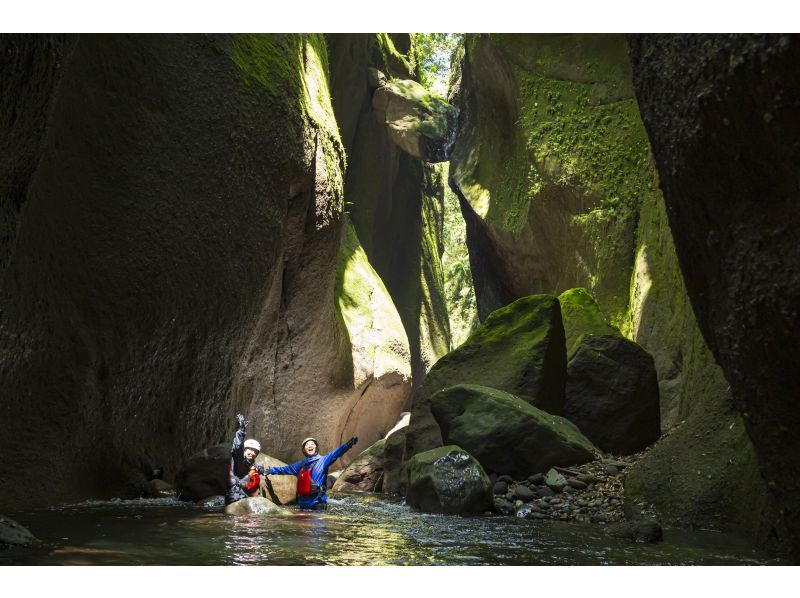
[356, 530]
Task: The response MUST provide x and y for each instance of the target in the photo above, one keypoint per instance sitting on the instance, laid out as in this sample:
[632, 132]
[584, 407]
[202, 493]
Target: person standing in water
[244, 476]
[312, 472]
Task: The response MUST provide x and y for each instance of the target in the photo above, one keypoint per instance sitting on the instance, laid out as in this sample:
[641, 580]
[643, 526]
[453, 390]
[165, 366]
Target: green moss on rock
[518, 349]
[581, 315]
[506, 434]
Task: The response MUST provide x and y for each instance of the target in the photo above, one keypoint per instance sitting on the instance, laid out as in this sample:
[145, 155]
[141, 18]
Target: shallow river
[356, 530]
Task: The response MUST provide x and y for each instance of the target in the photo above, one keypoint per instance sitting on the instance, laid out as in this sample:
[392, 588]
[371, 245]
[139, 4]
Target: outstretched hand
[352, 442]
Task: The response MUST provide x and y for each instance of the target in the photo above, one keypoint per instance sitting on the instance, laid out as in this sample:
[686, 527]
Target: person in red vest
[244, 476]
[312, 473]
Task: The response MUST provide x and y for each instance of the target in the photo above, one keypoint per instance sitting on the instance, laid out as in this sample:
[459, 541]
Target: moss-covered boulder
[581, 316]
[448, 480]
[418, 122]
[612, 388]
[254, 505]
[612, 394]
[506, 434]
[394, 450]
[518, 349]
[365, 473]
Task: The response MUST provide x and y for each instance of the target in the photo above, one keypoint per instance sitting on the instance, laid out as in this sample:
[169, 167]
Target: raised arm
[338, 452]
[292, 469]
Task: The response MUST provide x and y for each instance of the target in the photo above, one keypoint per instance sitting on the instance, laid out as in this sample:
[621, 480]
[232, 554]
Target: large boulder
[581, 316]
[393, 453]
[506, 434]
[721, 112]
[448, 480]
[418, 122]
[12, 533]
[612, 394]
[518, 349]
[365, 473]
[612, 388]
[254, 505]
[205, 474]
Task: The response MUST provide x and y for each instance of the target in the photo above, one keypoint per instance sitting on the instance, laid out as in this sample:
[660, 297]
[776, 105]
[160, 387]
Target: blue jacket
[319, 473]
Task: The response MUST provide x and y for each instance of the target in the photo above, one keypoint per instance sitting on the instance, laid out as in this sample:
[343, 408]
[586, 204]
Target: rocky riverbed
[589, 493]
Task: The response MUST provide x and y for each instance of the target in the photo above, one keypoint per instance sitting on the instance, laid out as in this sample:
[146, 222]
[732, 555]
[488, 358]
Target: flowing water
[356, 530]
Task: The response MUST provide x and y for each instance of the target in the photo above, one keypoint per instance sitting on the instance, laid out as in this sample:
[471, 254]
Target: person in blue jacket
[312, 473]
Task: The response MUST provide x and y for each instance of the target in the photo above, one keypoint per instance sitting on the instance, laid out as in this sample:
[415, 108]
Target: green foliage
[459, 292]
[435, 52]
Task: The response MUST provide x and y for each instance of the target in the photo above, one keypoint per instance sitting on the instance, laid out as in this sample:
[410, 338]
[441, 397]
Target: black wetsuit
[238, 468]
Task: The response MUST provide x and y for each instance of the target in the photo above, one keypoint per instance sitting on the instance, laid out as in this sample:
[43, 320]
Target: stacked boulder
[500, 397]
[612, 387]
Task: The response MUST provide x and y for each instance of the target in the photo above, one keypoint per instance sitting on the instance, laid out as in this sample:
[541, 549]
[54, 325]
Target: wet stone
[536, 479]
[500, 488]
[525, 494]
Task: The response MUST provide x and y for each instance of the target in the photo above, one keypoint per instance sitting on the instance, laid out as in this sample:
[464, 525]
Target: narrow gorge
[544, 279]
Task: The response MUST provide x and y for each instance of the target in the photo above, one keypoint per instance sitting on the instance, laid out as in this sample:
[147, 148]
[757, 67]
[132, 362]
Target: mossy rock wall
[551, 164]
[558, 189]
[721, 112]
[395, 201]
[175, 260]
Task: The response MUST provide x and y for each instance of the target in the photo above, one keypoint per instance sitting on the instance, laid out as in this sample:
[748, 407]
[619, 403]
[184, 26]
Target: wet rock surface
[12, 533]
[448, 480]
[505, 433]
[254, 505]
[586, 493]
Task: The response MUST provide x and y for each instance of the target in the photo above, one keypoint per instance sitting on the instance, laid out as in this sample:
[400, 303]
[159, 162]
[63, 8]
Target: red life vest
[304, 481]
[254, 481]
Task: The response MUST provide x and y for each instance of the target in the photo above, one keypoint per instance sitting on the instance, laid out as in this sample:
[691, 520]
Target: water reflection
[356, 530]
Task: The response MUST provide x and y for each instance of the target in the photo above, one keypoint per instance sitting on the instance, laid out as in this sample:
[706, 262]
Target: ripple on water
[356, 530]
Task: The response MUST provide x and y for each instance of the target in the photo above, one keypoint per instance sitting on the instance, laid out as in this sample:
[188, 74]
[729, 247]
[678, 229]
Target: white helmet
[253, 444]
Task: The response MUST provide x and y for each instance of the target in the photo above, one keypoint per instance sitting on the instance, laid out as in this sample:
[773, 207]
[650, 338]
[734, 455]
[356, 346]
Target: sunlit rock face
[418, 122]
[722, 115]
[394, 199]
[558, 190]
[171, 259]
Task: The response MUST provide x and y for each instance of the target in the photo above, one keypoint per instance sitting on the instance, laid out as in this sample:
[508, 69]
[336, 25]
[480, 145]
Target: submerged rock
[448, 480]
[255, 505]
[418, 122]
[365, 474]
[636, 531]
[505, 433]
[12, 533]
[159, 489]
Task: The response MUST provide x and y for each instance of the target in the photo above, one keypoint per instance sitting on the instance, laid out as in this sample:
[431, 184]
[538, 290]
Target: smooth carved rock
[418, 122]
[365, 474]
[504, 433]
[254, 505]
[448, 480]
